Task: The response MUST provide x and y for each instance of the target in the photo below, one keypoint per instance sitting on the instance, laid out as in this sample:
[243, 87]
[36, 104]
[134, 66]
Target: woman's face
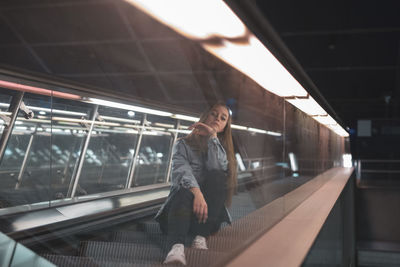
[217, 118]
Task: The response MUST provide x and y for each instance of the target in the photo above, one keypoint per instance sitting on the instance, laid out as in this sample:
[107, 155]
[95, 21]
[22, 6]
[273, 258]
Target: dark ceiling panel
[315, 15]
[350, 84]
[142, 86]
[160, 54]
[82, 59]
[20, 57]
[7, 35]
[74, 23]
[182, 87]
[375, 49]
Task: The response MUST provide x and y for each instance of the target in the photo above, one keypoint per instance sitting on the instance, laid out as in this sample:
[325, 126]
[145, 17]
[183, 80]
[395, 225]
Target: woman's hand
[200, 208]
[203, 129]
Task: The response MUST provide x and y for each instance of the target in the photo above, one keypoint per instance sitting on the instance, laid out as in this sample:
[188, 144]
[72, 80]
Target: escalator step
[139, 237]
[68, 261]
[129, 252]
[143, 253]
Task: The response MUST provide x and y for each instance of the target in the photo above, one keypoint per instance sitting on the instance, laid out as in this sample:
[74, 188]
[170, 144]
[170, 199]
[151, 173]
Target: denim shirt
[188, 165]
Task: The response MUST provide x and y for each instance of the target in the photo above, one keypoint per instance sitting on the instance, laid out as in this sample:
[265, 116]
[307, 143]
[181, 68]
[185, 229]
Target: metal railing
[377, 172]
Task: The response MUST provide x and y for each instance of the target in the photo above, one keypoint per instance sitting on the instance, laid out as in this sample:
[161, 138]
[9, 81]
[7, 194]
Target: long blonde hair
[225, 137]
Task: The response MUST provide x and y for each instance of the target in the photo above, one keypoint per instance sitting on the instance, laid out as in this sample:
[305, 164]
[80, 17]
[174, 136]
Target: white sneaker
[199, 242]
[176, 255]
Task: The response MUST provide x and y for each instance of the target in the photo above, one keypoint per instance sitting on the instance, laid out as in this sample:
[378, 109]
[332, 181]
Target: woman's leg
[180, 214]
[214, 190]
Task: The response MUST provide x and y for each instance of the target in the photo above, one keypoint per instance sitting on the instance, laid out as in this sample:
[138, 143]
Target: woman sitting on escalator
[203, 182]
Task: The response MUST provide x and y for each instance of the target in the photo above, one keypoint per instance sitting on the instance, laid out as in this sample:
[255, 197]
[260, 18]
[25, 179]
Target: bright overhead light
[165, 125]
[127, 107]
[339, 130]
[347, 161]
[43, 111]
[308, 105]
[254, 60]
[184, 117]
[274, 133]
[193, 18]
[131, 113]
[238, 127]
[180, 131]
[103, 123]
[120, 119]
[325, 120]
[256, 130]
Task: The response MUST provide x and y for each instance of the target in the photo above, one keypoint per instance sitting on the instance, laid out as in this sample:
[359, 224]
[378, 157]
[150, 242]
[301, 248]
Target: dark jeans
[180, 218]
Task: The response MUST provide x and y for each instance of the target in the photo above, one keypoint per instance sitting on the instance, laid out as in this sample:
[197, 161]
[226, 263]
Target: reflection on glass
[151, 166]
[26, 163]
[110, 151]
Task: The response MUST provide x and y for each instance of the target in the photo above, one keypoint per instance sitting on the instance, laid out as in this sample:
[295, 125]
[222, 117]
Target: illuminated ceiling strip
[238, 127]
[274, 133]
[126, 107]
[86, 121]
[120, 119]
[49, 110]
[184, 17]
[236, 45]
[165, 125]
[326, 120]
[308, 105]
[184, 117]
[180, 131]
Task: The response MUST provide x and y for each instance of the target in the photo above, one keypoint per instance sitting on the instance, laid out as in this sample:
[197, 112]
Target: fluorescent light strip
[325, 120]
[256, 130]
[165, 125]
[253, 59]
[49, 110]
[308, 105]
[184, 117]
[86, 121]
[188, 17]
[126, 107]
[180, 131]
[120, 119]
[238, 127]
[274, 133]
[57, 111]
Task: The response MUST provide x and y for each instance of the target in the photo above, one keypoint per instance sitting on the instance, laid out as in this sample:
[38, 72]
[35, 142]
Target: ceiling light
[125, 106]
[273, 133]
[238, 127]
[180, 131]
[193, 18]
[184, 117]
[325, 120]
[49, 110]
[166, 125]
[254, 60]
[120, 119]
[256, 130]
[131, 113]
[308, 105]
